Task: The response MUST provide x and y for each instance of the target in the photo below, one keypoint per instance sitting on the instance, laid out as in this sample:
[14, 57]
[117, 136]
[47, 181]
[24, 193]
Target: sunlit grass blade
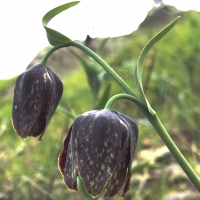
[93, 73]
[66, 111]
[102, 45]
[106, 95]
[141, 58]
[54, 37]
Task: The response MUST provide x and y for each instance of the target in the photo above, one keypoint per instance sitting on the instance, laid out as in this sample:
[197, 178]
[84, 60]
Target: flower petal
[54, 97]
[117, 180]
[63, 155]
[133, 130]
[98, 143]
[30, 94]
[70, 170]
[67, 160]
[55, 94]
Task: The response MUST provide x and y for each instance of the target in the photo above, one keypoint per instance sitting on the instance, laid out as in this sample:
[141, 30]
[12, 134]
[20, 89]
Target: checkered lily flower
[99, 148]
[36, 95]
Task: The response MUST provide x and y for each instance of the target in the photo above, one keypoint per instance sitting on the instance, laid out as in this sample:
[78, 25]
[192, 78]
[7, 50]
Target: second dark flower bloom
[99, 148]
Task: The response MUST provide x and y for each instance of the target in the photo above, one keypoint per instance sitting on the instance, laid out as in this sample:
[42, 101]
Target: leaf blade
[141, 58]
[105, 96]
[54, 37]
[94, 74]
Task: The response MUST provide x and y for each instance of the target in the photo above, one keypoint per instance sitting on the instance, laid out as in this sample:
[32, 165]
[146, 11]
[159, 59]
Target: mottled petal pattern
[54, 95]
[97, 146]
[70, 170]
[30, 93]
[133, 130]
[119, 175]
[99, 149]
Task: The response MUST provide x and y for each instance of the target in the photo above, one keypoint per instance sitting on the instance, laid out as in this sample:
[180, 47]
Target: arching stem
[98, 59]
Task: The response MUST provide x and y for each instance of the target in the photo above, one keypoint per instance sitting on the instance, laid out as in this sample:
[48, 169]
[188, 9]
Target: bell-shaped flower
[36, 95]
[99, 148]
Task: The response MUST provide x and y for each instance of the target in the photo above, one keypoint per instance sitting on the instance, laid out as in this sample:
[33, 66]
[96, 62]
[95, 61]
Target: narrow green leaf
[102, 45]
[101, 104]
[140, 61]
[66, 111]
[93, 73]
[81, 59]
[53, 36]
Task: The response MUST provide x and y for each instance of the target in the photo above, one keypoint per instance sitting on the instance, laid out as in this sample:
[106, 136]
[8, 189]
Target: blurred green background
[28, 169]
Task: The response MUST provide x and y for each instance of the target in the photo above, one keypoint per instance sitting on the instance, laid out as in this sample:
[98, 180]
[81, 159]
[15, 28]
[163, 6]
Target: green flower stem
[98, 59]
[84, 192]
[116, 97]
[156, 123]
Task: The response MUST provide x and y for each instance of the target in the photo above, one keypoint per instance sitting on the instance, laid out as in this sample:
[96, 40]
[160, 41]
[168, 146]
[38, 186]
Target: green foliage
[139, 64]
[105, 96]
[54, 36]
[28, 169]
[95, 77]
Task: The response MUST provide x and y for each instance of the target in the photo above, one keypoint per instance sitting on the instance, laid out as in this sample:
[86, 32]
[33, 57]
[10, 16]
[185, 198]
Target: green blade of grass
[141, 58]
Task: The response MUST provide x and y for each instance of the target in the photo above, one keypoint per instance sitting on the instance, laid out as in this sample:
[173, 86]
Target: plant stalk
[194, 178]
[98, 59]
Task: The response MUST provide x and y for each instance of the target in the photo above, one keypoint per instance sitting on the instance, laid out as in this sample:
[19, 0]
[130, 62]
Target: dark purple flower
[99, 148]
[36, 95]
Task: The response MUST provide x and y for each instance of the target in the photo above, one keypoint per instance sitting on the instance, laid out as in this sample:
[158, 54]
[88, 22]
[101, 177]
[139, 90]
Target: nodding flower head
[36, 95]
[99, 148]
